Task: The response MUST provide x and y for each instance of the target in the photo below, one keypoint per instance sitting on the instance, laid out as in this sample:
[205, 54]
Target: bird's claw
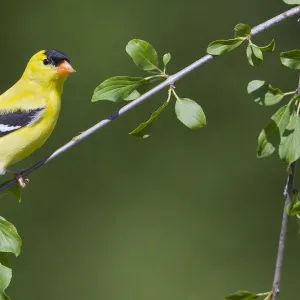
[22, 180]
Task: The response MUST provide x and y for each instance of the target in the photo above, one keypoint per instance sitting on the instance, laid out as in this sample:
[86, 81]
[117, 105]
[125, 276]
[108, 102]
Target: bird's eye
[46, 61]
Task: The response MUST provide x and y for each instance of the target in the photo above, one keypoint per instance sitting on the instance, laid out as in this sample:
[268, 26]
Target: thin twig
[288, 193]
[168, 82]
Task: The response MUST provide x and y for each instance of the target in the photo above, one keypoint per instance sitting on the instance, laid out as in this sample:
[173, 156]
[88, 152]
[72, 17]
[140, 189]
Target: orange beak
[65, 68]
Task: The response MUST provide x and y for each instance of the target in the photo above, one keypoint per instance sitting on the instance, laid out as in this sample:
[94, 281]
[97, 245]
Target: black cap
[55, 57]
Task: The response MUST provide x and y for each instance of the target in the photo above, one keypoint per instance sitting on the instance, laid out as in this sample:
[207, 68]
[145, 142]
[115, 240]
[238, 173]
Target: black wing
[11, 121]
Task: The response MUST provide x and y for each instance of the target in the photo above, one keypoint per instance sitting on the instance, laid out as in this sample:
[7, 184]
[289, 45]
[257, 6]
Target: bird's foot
[22, 180]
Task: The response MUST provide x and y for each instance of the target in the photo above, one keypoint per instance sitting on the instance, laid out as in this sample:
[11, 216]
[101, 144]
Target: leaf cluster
[242, 34]
[283, 130]
[10, 241]
[127, 88]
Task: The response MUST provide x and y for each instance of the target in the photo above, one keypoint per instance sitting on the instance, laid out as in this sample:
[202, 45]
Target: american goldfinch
[30, 108]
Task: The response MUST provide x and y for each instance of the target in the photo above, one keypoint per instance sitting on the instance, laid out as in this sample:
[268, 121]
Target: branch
[169, 82]
[288, 193]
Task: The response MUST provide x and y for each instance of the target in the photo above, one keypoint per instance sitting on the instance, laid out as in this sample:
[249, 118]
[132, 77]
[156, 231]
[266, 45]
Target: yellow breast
[19, 144]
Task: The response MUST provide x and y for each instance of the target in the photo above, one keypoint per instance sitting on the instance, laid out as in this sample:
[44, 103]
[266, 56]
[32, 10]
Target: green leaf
[289, 148]
[298, 223]
[291, 59]
[249, 53]
[166, 58]
[144, 88]
[292, 1]
[221, 46]
[118, 88]
[258, 53]
[263, 93]
[138, 92]
[291, 204]
[254, 55]
[143, 129]
[5, 278]
[4, 297]
[268, 48]
[270, 136]
[134, 95]
[293, 208]
[190, 113]
[143, 54]
[290, 207]
[15, 190]
[10, 241]
[242, 295]
[242, 30]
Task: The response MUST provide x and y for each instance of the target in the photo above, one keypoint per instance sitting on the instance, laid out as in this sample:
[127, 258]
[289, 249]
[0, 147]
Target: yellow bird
[30, 108]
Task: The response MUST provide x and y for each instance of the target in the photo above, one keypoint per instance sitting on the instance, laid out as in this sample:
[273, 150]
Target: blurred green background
[182, 215]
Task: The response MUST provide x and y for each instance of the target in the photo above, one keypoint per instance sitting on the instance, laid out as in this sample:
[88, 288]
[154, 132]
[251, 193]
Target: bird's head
[48, 66]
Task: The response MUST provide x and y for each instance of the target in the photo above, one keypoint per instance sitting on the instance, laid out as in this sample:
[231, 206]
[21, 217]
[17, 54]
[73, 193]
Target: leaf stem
[174, 93]
[170, 93]
[156, 76]
[159, 70]
[153, 72]
[290, 93]
[263, 294]
[168, 82]
[267, 294]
